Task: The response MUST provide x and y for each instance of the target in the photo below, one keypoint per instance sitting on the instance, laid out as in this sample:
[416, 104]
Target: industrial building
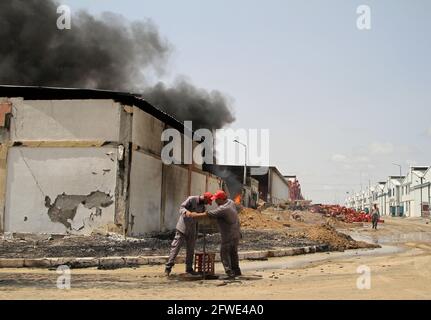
[266, 183]
[77, 161]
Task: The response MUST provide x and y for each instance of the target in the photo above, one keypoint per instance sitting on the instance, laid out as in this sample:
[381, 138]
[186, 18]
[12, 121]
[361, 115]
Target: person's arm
[184, 206]
[216, 213]
[196, 214]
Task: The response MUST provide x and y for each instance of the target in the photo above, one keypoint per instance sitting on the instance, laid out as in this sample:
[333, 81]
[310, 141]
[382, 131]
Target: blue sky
[341, 104]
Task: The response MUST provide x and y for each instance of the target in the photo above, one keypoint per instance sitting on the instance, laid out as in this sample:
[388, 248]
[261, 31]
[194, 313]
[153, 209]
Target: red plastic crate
[208, 266]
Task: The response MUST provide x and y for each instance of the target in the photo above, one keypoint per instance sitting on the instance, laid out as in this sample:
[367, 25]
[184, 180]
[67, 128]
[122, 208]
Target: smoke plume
[206, 109]
[103, 52]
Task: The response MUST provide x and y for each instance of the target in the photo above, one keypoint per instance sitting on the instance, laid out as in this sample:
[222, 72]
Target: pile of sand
[337, 241]
[254, 219]
[301, 225]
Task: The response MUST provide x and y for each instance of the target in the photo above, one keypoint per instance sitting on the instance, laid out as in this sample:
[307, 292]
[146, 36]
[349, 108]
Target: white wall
[198, 183]
[175, 192]
[145, 193]
[147, 131]
[33, 173]
[68, 120]
[279, 188]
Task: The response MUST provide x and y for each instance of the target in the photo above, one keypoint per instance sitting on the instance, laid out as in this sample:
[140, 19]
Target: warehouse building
[266, 183]
[75, 161]
[402, 196]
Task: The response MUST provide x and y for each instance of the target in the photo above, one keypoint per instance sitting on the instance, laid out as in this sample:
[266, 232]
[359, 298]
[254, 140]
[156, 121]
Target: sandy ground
[398, 270]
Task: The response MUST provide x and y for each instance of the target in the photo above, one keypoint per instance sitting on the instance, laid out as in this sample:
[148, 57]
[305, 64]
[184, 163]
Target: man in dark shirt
[186, 231]
[228, 223]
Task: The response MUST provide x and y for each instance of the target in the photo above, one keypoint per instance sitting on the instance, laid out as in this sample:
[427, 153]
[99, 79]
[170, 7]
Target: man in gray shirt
[186, 231]
[229, 226]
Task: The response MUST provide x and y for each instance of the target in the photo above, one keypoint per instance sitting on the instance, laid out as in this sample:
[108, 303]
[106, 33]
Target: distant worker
[186, 231]
[228, 223]
[375, 216]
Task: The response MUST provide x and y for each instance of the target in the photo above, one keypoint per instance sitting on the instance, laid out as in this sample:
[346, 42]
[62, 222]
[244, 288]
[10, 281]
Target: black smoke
[103, 52]
[206, 109]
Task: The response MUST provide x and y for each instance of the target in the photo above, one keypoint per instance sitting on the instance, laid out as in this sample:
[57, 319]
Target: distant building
[272, 186]
[420, 192]
[393, 200]
[410, 196]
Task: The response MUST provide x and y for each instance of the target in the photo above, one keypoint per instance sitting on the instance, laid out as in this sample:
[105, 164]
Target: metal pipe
[203, 258]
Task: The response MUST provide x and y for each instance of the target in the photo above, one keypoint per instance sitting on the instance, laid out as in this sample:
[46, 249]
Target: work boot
[237, 272]
[168, 271]
[228, 276]
[192, 272]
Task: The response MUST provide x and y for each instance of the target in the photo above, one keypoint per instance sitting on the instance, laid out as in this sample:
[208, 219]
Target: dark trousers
[180, 238]
[229, 257]
[375, 221]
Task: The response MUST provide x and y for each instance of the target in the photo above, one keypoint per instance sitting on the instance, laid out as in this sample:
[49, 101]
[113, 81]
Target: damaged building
[80, 160]
[266, 183]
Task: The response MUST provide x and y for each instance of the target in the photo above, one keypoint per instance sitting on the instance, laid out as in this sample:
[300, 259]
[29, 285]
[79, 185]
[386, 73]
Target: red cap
[220, 194]
[208, 196]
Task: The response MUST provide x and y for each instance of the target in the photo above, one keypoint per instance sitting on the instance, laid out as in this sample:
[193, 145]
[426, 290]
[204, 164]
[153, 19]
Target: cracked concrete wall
[63, 168]
[60, 190]
[53, 120]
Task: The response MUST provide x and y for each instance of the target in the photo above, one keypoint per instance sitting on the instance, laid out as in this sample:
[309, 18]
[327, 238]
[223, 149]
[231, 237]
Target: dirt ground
[398, 270]
[270, 229]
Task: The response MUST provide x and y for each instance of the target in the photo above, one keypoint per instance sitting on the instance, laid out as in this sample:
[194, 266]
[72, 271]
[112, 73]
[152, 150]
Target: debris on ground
[342, 213]
[306, 225]
[254, 219]
[271, 228]
[154, 244]
[337, 241]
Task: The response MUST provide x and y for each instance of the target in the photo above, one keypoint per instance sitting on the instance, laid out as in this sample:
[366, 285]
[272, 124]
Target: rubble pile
[337, 241]
[254, 219]
[301, 226]
[342, 213]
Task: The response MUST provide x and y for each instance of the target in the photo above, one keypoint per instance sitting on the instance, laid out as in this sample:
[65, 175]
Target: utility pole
[422, 206]
[398, 165]
[245, 161]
